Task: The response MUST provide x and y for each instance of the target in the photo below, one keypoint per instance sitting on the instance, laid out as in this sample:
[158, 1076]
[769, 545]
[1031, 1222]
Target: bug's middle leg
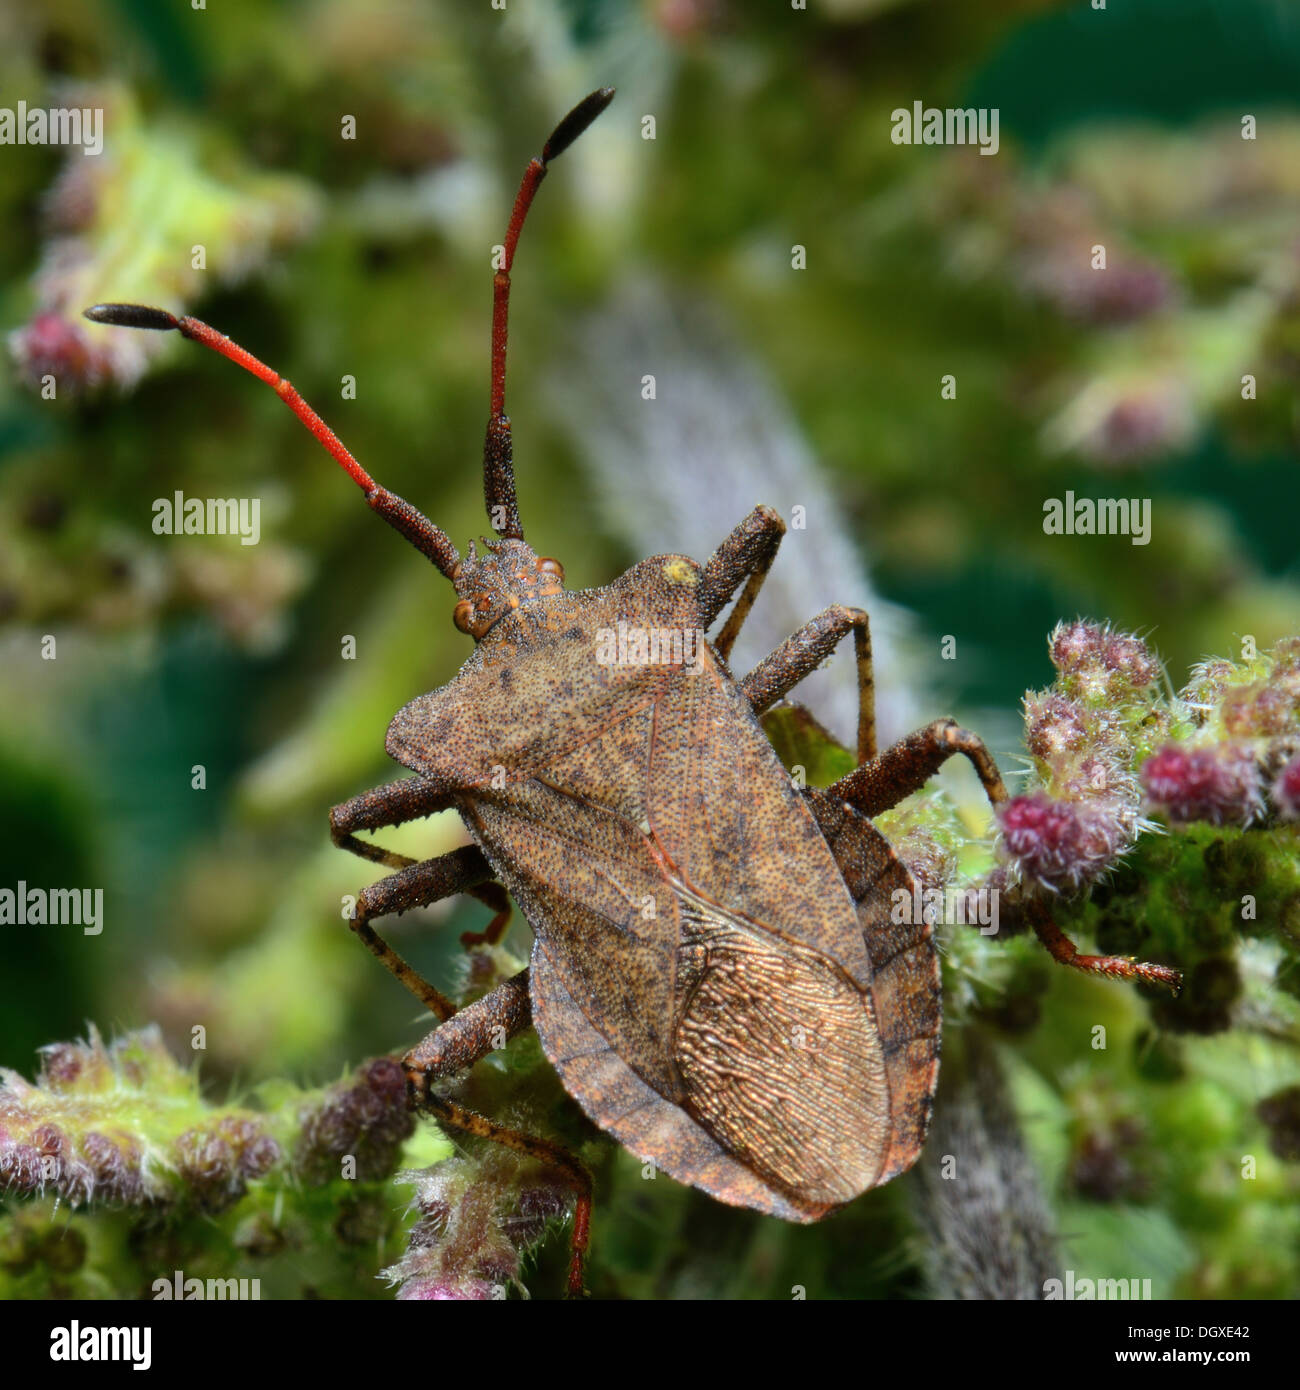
[881, 780]
[803, 652]
[478, 1029]
[416, 883]
[462, 870]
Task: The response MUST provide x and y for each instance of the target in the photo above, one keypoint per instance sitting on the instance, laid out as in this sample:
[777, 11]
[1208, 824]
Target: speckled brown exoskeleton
[715, 974]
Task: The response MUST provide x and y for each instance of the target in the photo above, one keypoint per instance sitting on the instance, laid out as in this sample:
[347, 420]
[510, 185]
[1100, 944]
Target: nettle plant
[724, 972]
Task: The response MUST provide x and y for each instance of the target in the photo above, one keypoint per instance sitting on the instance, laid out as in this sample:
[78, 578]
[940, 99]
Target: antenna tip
[576, 122]
[131, 316]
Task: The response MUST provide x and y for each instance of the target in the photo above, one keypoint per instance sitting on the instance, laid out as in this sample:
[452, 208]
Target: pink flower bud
[1285, 791]
[1219, 785]
[1063, 844]
[1055, 725]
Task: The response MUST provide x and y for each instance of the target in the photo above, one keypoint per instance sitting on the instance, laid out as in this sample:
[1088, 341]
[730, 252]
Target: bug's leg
[801, 654]
[745, 555]
[392, 805]
[906, 767]
[492, 895]
[881, 782]
[395, 803]
[476, 1030]
[454, 1116]
[498, 450]
[415, 884]
[459, 871]
[1065, 952]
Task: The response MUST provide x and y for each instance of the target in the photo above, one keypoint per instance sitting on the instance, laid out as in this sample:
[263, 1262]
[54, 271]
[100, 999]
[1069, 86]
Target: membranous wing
[779, 1057]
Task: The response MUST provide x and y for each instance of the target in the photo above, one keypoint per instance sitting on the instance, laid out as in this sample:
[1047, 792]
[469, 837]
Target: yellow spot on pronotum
[681, 572]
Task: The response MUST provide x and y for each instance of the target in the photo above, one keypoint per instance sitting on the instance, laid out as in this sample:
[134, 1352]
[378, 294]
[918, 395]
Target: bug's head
[506, 577]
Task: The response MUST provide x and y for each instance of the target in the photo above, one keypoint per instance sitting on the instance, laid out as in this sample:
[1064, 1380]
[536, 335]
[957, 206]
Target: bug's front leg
[395, 803]
[474, 1032]
[745, 555]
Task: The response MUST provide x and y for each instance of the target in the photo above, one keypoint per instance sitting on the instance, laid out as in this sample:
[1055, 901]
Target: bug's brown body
[700, 975]
[716, 973]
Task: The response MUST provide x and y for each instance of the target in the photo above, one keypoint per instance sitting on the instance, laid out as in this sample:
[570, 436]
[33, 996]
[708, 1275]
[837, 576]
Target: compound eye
[463, 615]
[548, 566]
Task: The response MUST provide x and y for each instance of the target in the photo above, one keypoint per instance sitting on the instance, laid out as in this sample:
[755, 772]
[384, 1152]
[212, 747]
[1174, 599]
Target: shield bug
[714, 973]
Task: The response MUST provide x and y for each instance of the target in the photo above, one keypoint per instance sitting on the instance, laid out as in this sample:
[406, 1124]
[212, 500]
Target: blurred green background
[369, 257]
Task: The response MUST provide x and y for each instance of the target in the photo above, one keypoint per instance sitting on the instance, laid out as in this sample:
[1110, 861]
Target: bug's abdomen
[780, 1059]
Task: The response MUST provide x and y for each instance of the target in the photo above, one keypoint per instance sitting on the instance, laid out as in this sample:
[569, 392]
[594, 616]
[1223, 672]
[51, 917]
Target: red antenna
[427, 538]
[498, 450]
[498, 465]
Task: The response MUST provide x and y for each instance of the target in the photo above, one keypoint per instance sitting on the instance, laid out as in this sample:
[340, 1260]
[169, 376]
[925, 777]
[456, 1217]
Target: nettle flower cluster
[476, 1218]
[241, 214]
[123, 1124]
[77, 1132]
[1111, 751]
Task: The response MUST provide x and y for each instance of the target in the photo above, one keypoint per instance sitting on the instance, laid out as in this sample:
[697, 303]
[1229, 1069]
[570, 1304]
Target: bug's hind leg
[466, 1035]
[745, 556]
[1065, 952]
[416, 883]
[476, 1030]
[455, 1116]
[883, 782]
[884, 779]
